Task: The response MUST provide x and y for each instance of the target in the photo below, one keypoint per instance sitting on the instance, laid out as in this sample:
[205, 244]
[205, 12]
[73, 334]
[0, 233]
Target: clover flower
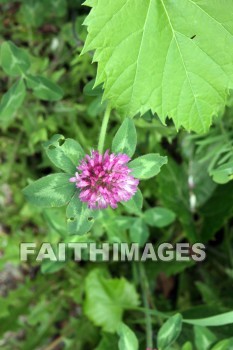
[105, 180]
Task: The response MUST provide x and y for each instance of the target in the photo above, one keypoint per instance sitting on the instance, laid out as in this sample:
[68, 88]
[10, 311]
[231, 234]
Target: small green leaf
[134, 205]
[14, 61]
[107, 298]
[169, 332]
[187, 346]
[64, 153]
[50, 191]
[213, 321]
[125, 140]
[80, 218]
[11, 101]
[139, 232]
[204, 338]
[44, 88]
[223, 174]
[147, 166]
[128, 340]
[159, 217]
[226, 344]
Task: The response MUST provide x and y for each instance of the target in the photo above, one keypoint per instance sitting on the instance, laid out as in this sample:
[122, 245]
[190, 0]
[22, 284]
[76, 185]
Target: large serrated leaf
[173, 58]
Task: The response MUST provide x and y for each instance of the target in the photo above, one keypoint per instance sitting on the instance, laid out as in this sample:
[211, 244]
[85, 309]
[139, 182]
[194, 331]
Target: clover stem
[104, 129]
[145, 296]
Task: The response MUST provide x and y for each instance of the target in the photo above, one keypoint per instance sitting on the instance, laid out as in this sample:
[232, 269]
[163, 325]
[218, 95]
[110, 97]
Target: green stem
[104, 129]
[145, 296]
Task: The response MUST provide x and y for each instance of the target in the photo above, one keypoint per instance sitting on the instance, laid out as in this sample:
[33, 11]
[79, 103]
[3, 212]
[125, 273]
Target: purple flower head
[105, 180]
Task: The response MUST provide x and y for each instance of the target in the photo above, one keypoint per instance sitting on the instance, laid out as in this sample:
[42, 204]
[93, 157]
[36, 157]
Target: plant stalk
[103, 129]
[145, 296]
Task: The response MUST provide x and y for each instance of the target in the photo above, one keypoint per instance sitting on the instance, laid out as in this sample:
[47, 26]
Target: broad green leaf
[134, 205]
[128, 340]
[223, 174]
[14, 60]
[44, 88]
[152, 54]
[139, 232]
[147, 166]
[50, 191]
[11, 101]
[226, 344]
[64, 153]
[107, 298]
[159, 217]
[80, 218]
[169, 332]
[203, 338]
[213, 321]
[125, 140]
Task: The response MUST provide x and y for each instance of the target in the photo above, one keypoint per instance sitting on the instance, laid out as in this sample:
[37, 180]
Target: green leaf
[64, 153]
[128, 340]
[153, 55]
[80, 218]
[187, 346]
[139, 232]
[169, 332]
[14, 60]
[107, 298]
[33, 12]
[134, 205]
[125, 140]
[44, 88]
[213, 321]
[147, 166]
[226, 344]
[223, 174]
[159, 217]
[204, 338]
[50, 191]
[11, 101]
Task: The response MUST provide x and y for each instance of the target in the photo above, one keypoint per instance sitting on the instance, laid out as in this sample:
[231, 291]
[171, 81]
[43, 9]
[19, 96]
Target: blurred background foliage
[58, 305]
